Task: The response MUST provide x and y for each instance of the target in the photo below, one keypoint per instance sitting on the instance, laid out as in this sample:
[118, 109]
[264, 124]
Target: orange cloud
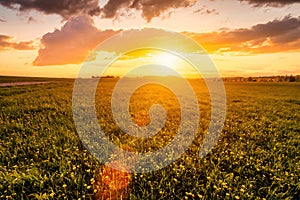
[78, 37]
[7, 42]
[72, 43]
[274, 36]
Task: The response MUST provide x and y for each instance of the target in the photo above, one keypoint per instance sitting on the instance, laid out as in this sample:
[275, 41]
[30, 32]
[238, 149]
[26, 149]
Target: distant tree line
[109, 76]
[286, 78]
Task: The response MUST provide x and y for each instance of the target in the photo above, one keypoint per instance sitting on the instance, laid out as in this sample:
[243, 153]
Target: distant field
[257, 155]
[11, 79]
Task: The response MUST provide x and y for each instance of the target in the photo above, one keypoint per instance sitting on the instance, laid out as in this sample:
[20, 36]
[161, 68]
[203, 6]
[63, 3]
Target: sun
[166, 59]
[143, 57]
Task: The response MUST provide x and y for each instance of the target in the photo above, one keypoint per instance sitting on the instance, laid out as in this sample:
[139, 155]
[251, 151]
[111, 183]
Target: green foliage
[257, 155]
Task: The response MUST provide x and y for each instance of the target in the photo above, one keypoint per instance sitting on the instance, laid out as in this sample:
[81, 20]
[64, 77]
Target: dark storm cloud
[65, 8]
[274, 36]
[7, 42]
[149, 8]
[275, 3]
[72, 43]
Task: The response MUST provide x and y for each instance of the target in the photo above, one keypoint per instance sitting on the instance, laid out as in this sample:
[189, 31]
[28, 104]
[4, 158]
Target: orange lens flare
[111, 183]
[115, 179]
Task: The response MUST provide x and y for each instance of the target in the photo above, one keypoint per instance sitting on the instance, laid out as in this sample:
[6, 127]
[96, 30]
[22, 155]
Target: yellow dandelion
[52, 194]
[92, 180]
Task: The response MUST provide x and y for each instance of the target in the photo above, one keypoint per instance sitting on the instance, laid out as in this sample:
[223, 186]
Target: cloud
[116, 8]
[205, 11]
[79, 36]
[274, 36]
[65, 8]
[2, 20]
[7, 42]
[112, 9]
[72, 43]
[149, 8]
[274, 3]
[149, 38]
[30, 19]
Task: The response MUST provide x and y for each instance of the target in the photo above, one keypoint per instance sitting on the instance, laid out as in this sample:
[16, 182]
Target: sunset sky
[243, 37]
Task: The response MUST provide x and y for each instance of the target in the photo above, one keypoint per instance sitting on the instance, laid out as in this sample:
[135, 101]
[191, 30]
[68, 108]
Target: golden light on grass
[112, 182]
[116, 179]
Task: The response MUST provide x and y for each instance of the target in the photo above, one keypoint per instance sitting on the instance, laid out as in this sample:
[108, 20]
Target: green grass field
[257, 155]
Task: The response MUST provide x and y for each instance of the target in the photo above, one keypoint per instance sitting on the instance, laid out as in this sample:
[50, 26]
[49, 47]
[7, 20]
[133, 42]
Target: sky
[243, 37]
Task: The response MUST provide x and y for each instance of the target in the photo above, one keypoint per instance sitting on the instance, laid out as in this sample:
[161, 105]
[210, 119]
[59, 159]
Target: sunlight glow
[166, 59]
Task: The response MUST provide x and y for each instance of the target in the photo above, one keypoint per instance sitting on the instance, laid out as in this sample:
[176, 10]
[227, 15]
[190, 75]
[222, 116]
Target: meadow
[257, 155]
